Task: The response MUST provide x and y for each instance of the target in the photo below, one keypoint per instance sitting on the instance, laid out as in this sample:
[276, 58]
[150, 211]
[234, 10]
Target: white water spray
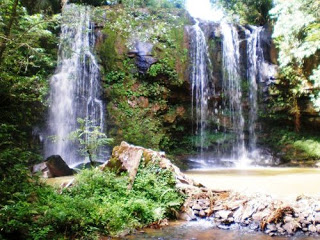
[75, 87]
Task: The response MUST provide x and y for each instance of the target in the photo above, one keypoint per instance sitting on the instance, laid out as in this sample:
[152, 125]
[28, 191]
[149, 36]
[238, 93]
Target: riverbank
[230, 209]
[244, 203]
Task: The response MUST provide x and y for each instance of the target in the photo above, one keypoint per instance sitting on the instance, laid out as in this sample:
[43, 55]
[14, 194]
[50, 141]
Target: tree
[7, 27]
[297, 36]
[248, 11]
[90, 138]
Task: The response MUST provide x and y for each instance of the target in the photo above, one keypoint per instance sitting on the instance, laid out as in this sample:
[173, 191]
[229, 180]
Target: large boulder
[57, 167]
[127, 157]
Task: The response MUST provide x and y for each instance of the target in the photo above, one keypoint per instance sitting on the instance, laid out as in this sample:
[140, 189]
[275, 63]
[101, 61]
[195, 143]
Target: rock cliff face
[145, 59]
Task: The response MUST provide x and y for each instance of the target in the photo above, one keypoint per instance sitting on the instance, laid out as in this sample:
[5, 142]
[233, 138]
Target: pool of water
[281, 183]
[204, 230]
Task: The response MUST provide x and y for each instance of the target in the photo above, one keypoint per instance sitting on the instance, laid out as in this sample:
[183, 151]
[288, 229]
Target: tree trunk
[90, 159]
[7, 31]
[297, 115]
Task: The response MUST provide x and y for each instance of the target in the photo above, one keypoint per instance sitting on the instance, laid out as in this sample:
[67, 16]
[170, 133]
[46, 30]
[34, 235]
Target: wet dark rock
[144, 62]
[202, 214]
[254, 226]
[196, 212]
[143, 54]
[224, 227]
[272, 227]
[271, 234]
[57, 167]
[197, 207]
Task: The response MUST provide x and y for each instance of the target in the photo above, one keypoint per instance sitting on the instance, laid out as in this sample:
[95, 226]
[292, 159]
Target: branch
[3, 45]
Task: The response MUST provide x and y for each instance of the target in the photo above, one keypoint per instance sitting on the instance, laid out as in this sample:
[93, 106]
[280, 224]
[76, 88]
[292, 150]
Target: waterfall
[254, 64]
[225, 99]
[75, 87]
[231, 89]
[200, 75]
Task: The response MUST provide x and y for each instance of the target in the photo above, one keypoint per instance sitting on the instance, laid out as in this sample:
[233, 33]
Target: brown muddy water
[204, 230]
[281, 183]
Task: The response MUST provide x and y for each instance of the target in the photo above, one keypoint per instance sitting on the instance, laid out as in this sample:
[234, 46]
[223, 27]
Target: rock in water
[58, 167]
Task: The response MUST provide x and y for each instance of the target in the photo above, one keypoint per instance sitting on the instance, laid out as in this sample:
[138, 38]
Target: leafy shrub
[98, 204]
[292, 146]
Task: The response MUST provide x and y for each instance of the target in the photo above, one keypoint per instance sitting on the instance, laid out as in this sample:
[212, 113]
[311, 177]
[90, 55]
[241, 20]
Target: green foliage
[247, 11]
[28, 46]
[136, 126]
[28, 49]
[311, 147]
[90, 138]
[90, 2]
[291, 146]
[139, 103]
[99, 203]
[37, 6]
[107, 51]
[315, 95]
[135, 3]
[296, 32]
[153, 3]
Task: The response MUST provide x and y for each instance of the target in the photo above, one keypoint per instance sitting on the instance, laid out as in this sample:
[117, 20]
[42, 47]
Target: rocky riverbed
[227, 208]
[257, 212]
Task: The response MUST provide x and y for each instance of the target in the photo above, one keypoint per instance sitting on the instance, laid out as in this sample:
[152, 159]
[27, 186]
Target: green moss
[107, 51]
[138, 103]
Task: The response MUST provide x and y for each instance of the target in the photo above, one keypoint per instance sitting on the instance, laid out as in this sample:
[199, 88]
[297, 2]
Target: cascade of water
[200, 83]
[75, 87]
[254, 60]
[223, 110]
[232, 90]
